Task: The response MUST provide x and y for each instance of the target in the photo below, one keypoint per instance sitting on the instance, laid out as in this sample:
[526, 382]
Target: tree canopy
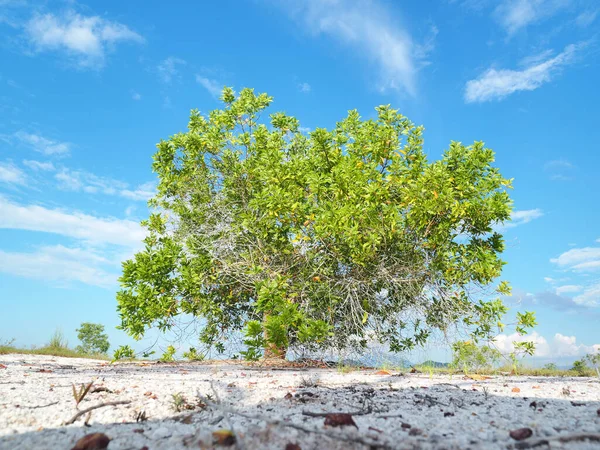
[328, 238]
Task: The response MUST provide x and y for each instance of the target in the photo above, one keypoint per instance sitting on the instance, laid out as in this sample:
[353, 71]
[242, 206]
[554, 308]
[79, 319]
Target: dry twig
[91, 408]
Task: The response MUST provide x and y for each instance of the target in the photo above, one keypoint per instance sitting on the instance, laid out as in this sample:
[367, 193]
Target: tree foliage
[93, 339]
[332, 238]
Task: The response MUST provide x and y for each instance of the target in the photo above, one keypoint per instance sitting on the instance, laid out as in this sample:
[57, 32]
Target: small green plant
[58, 340]
[550, 367]
[124, 352]
[594, 360]
[169, 354]
[93, 339]
[193, 355]
[580, 367]
[180, 403]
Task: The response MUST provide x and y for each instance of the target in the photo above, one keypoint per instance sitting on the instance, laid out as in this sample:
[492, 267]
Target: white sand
[439, 412]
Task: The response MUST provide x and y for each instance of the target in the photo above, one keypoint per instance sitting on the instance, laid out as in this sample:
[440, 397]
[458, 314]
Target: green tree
[468, 356]
[93, 339]
[332, 238]
[580, 366]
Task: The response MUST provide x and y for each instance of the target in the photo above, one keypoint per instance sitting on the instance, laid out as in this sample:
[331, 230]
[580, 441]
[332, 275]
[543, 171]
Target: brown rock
[339, 420]
[93, 441]
[521, 433]
[291, 446]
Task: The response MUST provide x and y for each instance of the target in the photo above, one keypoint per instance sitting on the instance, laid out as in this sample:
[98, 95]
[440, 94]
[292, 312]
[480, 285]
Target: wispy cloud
[515, 15]
[83, 181]
[584, 259]
[586, 18]
[41, 144]
[522, 217]
[72, 224]
[39, 165]
[213, 86]
[136, 95]
[496, 84]
[96, 245]
[590, 296]
[370, 29]
[168, 69]
[568, 289]
[11, 174]
[304, 87]
[142, 192]
[559, 170]
[84, 39]
[59, 264]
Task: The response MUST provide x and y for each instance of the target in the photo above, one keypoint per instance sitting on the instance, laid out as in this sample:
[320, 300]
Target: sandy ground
[277, 408]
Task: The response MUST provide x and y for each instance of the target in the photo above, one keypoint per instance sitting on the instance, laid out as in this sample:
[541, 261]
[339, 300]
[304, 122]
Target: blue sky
[87, 89]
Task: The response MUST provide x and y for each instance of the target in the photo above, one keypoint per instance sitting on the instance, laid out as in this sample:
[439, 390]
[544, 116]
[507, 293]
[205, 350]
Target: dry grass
[49, 350]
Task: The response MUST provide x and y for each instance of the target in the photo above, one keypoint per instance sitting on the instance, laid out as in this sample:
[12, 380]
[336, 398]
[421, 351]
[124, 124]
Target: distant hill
[435, 364]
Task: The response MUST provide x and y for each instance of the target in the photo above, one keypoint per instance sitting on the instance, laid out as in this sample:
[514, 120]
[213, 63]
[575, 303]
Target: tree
[323, 239]
[93, 339]
[467, 355]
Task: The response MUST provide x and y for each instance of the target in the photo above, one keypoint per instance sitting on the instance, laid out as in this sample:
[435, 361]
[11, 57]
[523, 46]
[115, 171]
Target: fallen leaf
[383, 372]
[477, 377]
[44, 371]
[291, 446]
[515, 389]
[415, 432]
[225, 438]
[339, 420]
[2, 366]
[535, 387]
[288, 396]
[148, 394]
[521, 433]
[94, 441]
[406, 425]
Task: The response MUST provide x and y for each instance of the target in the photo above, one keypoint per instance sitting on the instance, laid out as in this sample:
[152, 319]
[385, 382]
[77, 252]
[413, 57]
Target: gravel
[201, 405]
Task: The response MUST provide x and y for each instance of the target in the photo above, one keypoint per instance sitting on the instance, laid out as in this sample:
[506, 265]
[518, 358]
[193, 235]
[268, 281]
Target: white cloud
[497, 84]
[85, 39]
[136, 95]
[586, 18]
[11, 174]
[39, 165]
[304, 87]
[560, 346]
[522, 217]
[168, 71]
[549, 280]
[143, 192]
[568, 289]
[505, 343]
[59, 264]
[559, 169]
[42, 144]
[515, 15]
[369, 28]
[589, 297]
[76, 225]
[212, 86]
[579, 259]
[82, 181]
